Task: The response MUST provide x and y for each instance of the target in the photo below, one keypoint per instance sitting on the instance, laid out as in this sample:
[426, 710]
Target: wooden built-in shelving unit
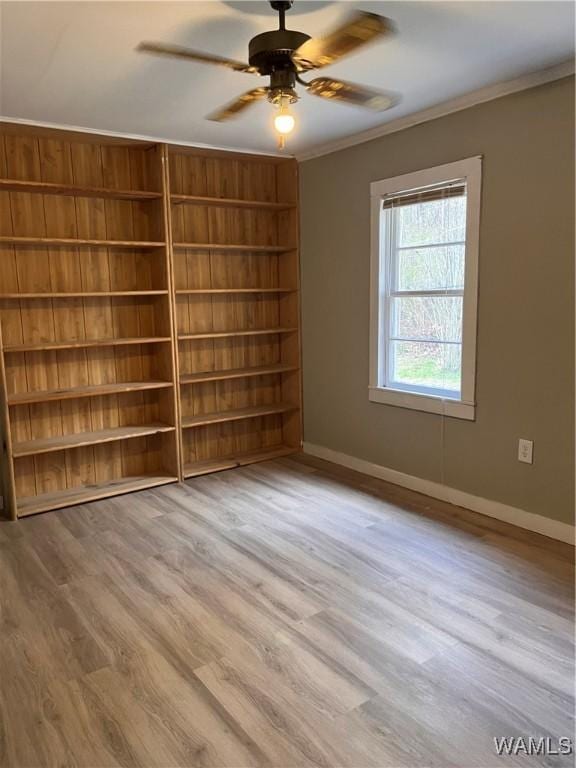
[234, 230]
[88, 367]
[149, 315]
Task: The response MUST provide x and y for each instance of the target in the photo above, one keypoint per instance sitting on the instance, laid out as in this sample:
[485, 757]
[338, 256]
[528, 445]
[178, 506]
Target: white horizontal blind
[424, 238]
[427, 194]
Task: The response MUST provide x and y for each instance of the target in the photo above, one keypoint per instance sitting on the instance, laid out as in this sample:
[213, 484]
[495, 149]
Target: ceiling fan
[284, 54]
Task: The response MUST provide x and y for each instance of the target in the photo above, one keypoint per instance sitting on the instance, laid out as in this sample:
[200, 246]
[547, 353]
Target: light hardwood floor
[283, 614]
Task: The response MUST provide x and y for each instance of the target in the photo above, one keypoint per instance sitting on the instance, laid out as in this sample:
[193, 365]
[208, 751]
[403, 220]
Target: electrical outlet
[525, 450]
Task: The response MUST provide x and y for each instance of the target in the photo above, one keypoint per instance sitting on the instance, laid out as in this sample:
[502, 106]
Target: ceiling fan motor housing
[272, 51]
[282, 54]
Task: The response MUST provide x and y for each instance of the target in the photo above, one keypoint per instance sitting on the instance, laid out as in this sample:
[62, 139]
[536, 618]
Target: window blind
[424, 195]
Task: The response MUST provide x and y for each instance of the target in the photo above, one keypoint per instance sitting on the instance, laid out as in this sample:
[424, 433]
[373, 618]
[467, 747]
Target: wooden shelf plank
[82, 294]
[240, 460]
[74, 242]
[225, 334]
[230, 202]
[48, 188]
[43, 346]
[237, 414]
[209, 466]
[226, 291]
[235, 373]
[93, 390]
[240, 248]
[70, 497]
[63, 442]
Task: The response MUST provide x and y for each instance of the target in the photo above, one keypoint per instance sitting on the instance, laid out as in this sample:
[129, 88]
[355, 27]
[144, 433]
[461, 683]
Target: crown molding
[488, 93]
[138, 137]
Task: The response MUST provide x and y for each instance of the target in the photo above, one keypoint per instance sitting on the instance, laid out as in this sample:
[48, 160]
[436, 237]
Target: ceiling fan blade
[360, 29]
[167, 49]
[339, 90]
[239, 105]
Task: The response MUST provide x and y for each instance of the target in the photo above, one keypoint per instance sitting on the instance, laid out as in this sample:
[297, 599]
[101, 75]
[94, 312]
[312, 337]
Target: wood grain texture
[94, 390]
[236, 373]
[234, 247]
[235, 259]
[289, 613]
[47, 188]
[80, 294]
[83, 343]
[76, 242]
[85, 311]
[65, 442]
[87, 493]
[227, 202]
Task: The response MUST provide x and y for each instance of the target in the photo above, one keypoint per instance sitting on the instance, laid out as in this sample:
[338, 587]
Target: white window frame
[464, 405]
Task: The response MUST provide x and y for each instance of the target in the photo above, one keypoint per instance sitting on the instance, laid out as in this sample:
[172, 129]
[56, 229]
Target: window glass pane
[423, 269]
[420, 364]
[437, 221]
[427, 317]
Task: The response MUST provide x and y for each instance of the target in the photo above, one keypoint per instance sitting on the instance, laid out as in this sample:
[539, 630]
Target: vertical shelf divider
[7, 486]
[167, 208]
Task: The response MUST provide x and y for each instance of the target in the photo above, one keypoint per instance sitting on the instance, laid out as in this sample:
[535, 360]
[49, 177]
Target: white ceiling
[73, 63]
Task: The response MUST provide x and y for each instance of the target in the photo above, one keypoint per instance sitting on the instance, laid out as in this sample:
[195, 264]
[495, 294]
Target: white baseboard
[519, 517]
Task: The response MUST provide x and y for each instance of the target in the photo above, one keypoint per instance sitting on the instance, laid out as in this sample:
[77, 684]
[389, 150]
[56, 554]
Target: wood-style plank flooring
[284, 614]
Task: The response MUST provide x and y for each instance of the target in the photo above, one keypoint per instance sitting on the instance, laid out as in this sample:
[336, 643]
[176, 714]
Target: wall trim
[487, 93]
[554, 529]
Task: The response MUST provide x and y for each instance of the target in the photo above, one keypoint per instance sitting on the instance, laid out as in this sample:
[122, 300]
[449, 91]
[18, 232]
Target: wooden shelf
[63, 442]
[81, 294]
[235, 373]
[231, 291]
[237, 414]
[240, 460]
[93, 390]
[74, 242]
[32, 504]
[85, 343]
[226, 334]
[229, 202]
[234, 247]
[47, 188]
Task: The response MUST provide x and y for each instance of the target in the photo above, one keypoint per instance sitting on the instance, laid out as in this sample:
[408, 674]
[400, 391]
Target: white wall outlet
[525, 450]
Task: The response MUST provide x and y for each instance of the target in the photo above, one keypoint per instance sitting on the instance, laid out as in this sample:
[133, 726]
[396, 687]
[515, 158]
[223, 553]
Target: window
[425, 229]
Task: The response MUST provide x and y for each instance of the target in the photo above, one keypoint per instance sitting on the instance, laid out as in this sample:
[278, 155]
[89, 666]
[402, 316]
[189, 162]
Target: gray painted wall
[525, 356]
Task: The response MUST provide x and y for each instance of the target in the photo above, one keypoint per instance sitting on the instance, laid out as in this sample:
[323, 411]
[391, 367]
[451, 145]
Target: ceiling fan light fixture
[284, 121]
[283, 54]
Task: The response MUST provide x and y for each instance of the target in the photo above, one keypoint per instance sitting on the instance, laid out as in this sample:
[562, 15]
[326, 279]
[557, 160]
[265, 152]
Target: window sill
[457, 409]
